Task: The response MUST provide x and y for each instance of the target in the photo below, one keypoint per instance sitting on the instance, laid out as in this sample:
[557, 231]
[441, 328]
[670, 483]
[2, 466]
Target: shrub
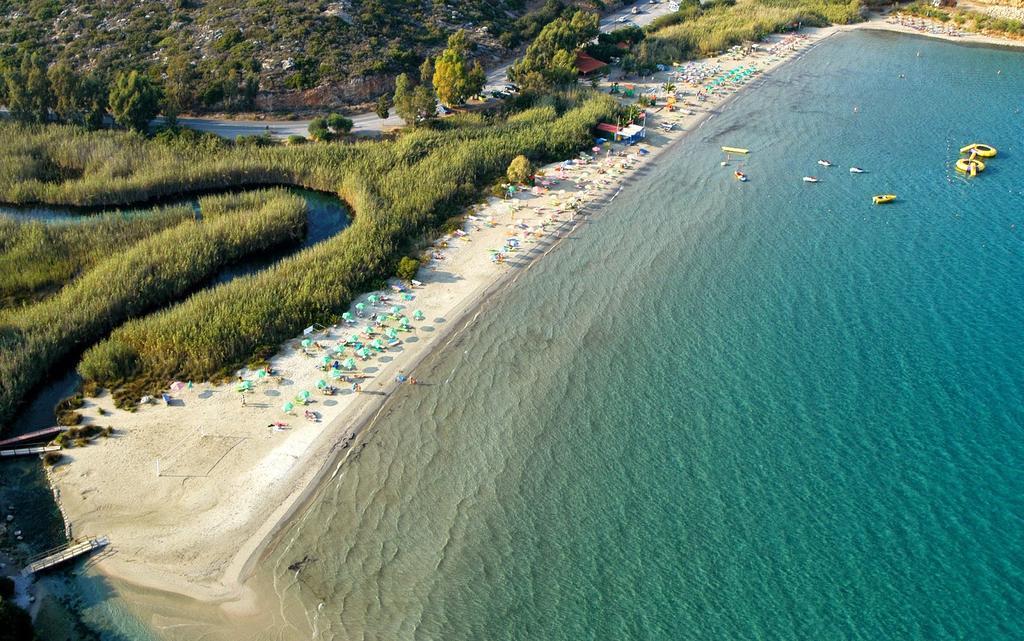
[407, 268]
[52, 458]
[6, 587]
[339, 124]
[519, 170]
[296, 139]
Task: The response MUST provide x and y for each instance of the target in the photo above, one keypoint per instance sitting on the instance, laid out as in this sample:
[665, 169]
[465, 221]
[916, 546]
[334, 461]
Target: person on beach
[243, 399]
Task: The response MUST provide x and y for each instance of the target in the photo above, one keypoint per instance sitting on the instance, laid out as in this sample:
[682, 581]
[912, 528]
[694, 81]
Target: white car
[621, 19]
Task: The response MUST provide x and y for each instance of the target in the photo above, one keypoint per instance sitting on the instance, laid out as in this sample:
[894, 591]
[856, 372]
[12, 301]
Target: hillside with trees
[242, 55]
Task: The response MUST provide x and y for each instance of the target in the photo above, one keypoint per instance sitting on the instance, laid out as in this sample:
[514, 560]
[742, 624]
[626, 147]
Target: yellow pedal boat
[983, 150]
[882, 199]
[970, 166]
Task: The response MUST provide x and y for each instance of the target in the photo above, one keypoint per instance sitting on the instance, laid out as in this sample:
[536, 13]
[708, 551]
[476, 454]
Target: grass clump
[153, 272]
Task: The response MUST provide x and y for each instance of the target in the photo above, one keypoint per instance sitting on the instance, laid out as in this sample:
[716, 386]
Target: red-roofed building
[587, 64]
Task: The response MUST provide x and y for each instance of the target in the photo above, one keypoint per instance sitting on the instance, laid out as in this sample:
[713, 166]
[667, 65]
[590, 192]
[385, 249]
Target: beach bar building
[629, 134]
[586, 64]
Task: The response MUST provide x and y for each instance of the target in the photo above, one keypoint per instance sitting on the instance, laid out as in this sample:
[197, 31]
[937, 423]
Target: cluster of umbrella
[696, 72]
[738, 75]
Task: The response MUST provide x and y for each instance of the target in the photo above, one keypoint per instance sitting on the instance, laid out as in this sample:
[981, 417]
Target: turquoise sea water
[720, 411]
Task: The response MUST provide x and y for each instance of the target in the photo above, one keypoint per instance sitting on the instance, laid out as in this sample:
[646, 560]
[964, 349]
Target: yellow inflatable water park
[970, 166]
[882, 199]
[981, 149]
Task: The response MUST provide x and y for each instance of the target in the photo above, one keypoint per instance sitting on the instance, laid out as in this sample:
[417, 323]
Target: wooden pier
[33, 437]
[24, 451]
[64, 553]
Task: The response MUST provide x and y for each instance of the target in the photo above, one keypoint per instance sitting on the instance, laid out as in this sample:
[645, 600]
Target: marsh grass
[154, 271]
[38, 257]
[699, 32]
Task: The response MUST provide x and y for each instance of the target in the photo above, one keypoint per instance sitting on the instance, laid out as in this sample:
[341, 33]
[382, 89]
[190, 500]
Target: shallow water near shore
[767, 410]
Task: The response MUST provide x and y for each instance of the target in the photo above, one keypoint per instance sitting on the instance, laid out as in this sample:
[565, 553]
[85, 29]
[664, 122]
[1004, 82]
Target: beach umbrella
[306, 342]
[287, 407]
[244, 386]
[392, 333]
[347, 317]
[349, 363]
[418, 315]
[360, 307]
[363, 352]
[354, 338]
[405, 321]
[407, 297]
[305, 394]
[336, 374]
[369, 329]
[321, 384]
[373, 298]
[339, 348]
[261, 373]
[377, 343]
[395, 309]
[325, 359]
[177, 386]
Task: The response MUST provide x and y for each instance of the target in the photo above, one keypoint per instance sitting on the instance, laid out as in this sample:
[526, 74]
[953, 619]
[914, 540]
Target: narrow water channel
[24, 492]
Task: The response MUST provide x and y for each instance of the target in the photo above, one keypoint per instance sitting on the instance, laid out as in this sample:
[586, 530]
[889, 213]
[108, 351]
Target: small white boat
[724, 163]
[825, 163]
[810, 179]
[856, 170]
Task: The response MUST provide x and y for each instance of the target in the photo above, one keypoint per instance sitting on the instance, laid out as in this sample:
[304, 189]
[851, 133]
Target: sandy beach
[190, 494]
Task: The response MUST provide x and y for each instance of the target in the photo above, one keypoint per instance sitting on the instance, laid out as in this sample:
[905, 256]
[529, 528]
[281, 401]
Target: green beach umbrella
[306, 342]
[373, 298]
[378, 343]
[335, 373]
[395, 309]
[404, 321]
[339, 348]
[321, 384]
[261, 373]
[360, 307]
[369, 329]
[364, 352]
[350, 363]
[407, 296]
[287, 407]
[392, 333]
[325, 359]
[347, 316]
[244, 386]
[418, 315]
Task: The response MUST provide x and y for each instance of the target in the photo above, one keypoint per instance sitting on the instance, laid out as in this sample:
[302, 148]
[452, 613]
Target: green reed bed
[697, 32]
[151, 273]
[398, 192]
[38, 257]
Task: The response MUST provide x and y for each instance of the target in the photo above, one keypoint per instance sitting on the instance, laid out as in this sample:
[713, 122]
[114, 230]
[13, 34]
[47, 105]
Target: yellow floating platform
[970, 166]
[985, 151]
[882, 199]
[735, 150]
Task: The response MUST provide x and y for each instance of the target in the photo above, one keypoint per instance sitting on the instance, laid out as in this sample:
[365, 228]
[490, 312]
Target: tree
[453, 81]
[519, 170]
[318, 129]
[552, 54]
[134, 100]
[413, 104]
[339, 124]
[179, 87]
[94, 96]
[427, 71]
[383, 109]
[407, 268]
[67, 92]
[477, 79]
[29, 97]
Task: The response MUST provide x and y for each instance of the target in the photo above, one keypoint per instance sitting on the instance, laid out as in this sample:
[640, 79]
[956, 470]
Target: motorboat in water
[883, 199]
[825, 163]
[740, 176]
[810, 179]
[856, 170]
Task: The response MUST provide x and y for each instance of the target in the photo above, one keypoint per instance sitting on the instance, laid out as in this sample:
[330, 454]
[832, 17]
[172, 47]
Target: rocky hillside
[246, 54]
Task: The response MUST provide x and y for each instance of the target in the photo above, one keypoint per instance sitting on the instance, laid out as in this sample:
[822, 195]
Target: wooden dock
[64, 553]
[24, 451]
[33, 437]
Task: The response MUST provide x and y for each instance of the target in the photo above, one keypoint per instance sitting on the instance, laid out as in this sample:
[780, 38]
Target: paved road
[369, 123]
